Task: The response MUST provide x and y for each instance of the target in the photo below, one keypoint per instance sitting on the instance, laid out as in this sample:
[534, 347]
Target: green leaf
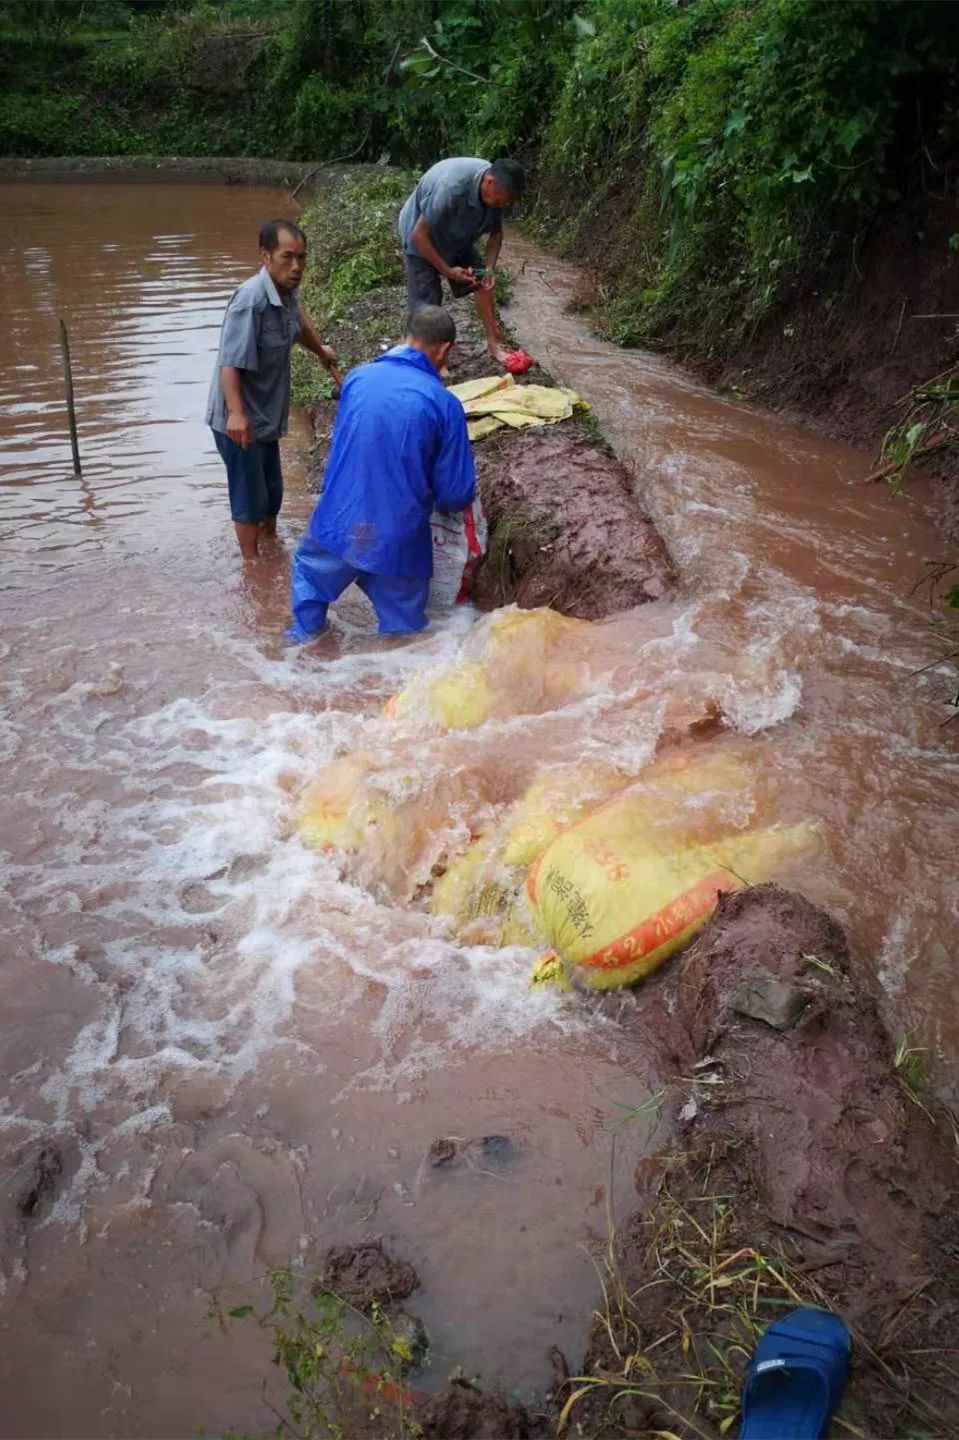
[417, 62]
[799, 177]
[852, 132]
[736, 122]
[240, 1312]
[584, 26]
[951, 597]
[954, 242]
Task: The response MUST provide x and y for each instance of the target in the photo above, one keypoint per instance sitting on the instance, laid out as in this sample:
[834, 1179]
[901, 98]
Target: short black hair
[509, 176]
[270, 233]
[431, 325]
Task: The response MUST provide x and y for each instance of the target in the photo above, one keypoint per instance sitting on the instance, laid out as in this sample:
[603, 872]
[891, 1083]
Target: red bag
[518, 362]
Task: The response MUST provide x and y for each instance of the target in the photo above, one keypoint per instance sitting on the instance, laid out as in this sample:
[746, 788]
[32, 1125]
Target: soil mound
[462, 1412]
[565, 528]
[367, 1274]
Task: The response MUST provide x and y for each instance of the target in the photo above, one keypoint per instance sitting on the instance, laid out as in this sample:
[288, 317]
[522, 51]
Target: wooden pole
[71, 408]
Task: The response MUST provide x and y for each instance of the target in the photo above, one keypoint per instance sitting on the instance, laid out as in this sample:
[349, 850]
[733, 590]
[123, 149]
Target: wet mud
[565, 528]
[367, 1274]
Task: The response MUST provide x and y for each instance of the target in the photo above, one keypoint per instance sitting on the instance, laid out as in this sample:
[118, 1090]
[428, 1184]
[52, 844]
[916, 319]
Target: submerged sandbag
[556, 798]
[614, 903]
[337, 809]
[483, 891]
[483, 898]
[516, 662]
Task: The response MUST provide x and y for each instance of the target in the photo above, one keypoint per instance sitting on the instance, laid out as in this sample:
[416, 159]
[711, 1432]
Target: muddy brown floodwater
[238, 1054]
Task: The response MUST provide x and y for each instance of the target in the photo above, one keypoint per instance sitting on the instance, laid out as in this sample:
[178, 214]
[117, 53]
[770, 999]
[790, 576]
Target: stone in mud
[765, 998]
[566, 529]
[366, 1274]
[487, 1151]
[443, 1151]
[45, 1171]
[411, 1332]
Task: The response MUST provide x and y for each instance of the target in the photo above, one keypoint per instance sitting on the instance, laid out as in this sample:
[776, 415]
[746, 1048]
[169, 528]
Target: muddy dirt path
[241, 1054]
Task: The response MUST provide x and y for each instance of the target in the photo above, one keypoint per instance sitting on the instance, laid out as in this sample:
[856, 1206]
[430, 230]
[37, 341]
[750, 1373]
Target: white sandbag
[459, 544]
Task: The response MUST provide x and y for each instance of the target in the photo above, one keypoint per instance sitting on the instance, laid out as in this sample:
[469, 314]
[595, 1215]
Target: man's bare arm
[237, 424]
[311, 339]
[423, 241]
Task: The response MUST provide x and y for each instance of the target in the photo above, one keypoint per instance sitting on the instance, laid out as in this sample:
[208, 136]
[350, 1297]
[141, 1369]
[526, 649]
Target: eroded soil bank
[804, 1170]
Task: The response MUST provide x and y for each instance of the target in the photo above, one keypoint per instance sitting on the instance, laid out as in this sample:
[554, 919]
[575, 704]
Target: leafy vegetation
[710, 157]
[742, 147]
[354, 280]
[345, 1368]
[299, 79]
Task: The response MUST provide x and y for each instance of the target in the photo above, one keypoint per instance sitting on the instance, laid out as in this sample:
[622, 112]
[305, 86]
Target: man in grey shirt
[249, 403]
[456, 202]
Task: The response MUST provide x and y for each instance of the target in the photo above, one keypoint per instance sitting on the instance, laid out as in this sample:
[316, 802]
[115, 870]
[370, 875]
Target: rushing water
[242, 1054]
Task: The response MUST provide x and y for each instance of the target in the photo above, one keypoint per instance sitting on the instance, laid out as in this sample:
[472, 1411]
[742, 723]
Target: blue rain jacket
[400, 448]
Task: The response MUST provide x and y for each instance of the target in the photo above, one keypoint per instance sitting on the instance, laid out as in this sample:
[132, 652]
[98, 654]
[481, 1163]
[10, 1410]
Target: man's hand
[488, 280]
[238, 428]
[327, 354]
[461, 275]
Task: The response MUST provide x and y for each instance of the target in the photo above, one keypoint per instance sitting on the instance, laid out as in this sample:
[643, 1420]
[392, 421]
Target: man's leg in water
[248, 538]
[317, 578]
[252, 500]
[400, 604]
[273, 478]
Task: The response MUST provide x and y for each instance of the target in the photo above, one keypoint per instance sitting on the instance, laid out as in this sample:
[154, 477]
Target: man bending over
[400, 448]
[455, 203]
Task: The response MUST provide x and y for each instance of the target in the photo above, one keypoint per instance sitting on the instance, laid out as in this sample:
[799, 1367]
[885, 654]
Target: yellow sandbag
[337, 809]
[556, 798]
[543, 402]
[614, 906]
[495, 401]
[512, 419]
[483, 898]
[485, 425]
[517, 662]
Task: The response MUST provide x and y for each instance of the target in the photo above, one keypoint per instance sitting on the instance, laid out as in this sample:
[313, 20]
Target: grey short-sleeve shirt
[259, 329]
[448, 199]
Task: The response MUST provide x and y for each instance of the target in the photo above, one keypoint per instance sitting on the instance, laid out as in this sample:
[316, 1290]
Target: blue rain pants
[318, 578]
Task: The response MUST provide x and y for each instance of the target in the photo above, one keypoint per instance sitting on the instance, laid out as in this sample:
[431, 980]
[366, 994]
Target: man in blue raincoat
[400, 448]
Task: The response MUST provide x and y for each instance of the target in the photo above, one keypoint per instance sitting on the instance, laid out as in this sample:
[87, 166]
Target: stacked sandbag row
[610, 872]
